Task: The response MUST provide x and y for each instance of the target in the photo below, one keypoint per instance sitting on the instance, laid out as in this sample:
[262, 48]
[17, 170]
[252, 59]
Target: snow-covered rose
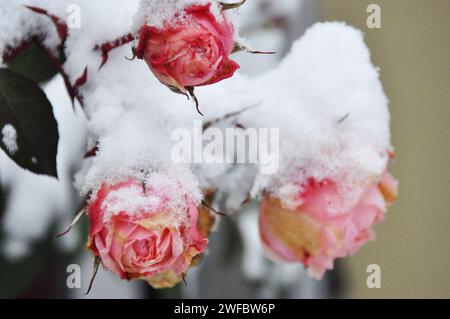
[193, 50]
[315, 234]
[137, 235]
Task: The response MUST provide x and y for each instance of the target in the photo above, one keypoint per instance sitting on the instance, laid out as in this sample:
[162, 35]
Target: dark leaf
[34, 64]
[26, 111]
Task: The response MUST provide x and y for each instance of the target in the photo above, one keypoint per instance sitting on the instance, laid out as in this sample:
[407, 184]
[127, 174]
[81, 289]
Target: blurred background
[412, 49]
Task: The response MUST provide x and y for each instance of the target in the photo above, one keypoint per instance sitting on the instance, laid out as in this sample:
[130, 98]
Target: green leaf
[26, 111]
[34, 64]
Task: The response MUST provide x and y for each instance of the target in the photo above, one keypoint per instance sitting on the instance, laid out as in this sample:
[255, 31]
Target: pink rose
[137, 235]
[190, 51]
[313, 233]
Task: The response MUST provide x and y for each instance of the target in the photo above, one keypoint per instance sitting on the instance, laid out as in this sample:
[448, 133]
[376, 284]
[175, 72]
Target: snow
[329, 104]
[162, 193]
[130, 199]
[327, 78]
[334, 120]
[9, 139]
[325, 97]
[22, 24]
[156, 13]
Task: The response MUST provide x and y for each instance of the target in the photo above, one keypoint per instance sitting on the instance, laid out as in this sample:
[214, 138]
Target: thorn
[246, 200]
[82, 79]
[241, 47]
[75, 220]
[61, 26]
[260, 52]
[229, 6]
[230, 115]
[94, 274]
[342, 119]
[104, 60]
[36, 9]
[133, 51]
[183, 276]
[107, 47]
[92, 152]
[213, 209]
[190, 89]
[79, 212]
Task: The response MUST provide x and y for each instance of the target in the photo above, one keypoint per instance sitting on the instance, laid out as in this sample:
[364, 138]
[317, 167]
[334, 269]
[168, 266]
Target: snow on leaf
[29, 128]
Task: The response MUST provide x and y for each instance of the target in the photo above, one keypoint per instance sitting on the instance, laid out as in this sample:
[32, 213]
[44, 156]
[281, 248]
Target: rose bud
[314, 233]
[138, 233]
[190, 50]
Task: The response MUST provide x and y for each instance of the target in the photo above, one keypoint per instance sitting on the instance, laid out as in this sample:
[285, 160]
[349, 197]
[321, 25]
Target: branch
[107, 47]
